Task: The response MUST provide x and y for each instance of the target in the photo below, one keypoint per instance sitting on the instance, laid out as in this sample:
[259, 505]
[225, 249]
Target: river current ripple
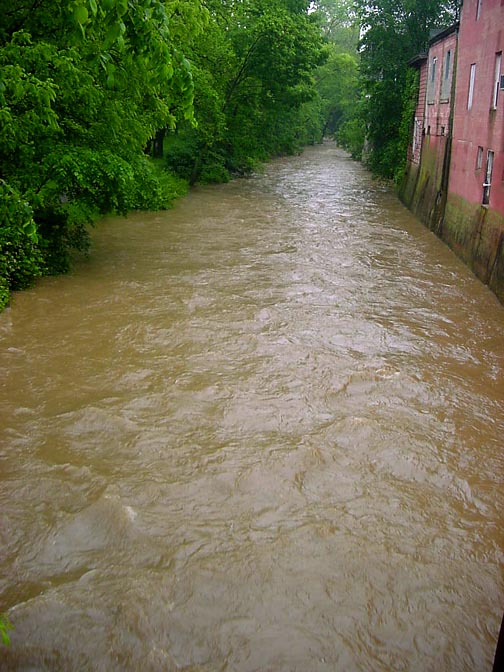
[259, 432]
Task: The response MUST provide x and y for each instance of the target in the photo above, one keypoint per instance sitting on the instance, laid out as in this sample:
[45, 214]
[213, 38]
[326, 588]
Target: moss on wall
[423, 190]
[476, 234]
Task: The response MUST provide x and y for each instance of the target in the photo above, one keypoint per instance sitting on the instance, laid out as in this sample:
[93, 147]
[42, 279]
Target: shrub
[20, 256]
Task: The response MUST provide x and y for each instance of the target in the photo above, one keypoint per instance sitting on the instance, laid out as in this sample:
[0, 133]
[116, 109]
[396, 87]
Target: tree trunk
[157, 144]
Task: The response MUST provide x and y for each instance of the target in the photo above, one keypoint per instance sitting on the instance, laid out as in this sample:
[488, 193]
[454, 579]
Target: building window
[431, 88]
[487, 184]
[416, 128]
[472, 77]
[445, 84]
[447, 64]
[478, 9]
[479, 158]
[497, 80]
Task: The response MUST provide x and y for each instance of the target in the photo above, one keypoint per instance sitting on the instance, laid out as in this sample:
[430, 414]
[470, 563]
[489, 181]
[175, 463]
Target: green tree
[254, 69]
[338, 20]
[89, 88]
[84, 86]
[276, 59]
[337, 84]
[337, 78]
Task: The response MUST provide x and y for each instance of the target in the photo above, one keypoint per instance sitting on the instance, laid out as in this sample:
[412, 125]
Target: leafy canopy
[254, 97]
[84, 86]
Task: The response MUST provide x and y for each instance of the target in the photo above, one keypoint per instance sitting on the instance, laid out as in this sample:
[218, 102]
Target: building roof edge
[444, 32]
[417, 60]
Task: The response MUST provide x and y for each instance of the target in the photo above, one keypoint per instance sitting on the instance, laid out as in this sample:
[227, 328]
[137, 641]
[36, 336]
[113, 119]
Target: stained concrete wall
[476, 234]
[473, 231]
[424, 187]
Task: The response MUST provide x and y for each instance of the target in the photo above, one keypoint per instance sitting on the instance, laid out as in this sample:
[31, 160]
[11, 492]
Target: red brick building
[415, 149]
[478, 125]
[426, 186]
[458, 187]
[441, 59]
[474, 217]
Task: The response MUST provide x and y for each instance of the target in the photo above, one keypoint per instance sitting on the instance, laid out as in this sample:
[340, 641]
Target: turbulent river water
[262, 431]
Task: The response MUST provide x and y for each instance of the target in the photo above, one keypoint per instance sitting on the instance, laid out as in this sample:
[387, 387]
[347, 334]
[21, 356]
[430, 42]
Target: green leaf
[122, 7]
[112, 33]
[81, 14]
[94, 7]
[167, 71]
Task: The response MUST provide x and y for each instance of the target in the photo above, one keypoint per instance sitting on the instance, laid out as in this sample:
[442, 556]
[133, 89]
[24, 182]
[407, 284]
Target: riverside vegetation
[108, 106]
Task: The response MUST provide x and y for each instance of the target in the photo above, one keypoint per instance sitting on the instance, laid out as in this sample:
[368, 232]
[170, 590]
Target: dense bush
[352, 136]
[255, 94]
[84, 86]
[21, 260]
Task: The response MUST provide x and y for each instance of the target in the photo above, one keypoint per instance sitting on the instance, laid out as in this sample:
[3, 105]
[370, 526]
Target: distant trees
[337, 79]
[254, 96]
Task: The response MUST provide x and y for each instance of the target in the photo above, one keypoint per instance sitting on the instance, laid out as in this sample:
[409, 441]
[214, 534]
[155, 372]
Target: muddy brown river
[260, 432]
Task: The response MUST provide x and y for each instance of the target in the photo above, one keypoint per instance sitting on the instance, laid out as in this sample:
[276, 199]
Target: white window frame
[487, 184]
[445, 82]
[431, 86]
[479, 158]
[472, 79]
[497, 78]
